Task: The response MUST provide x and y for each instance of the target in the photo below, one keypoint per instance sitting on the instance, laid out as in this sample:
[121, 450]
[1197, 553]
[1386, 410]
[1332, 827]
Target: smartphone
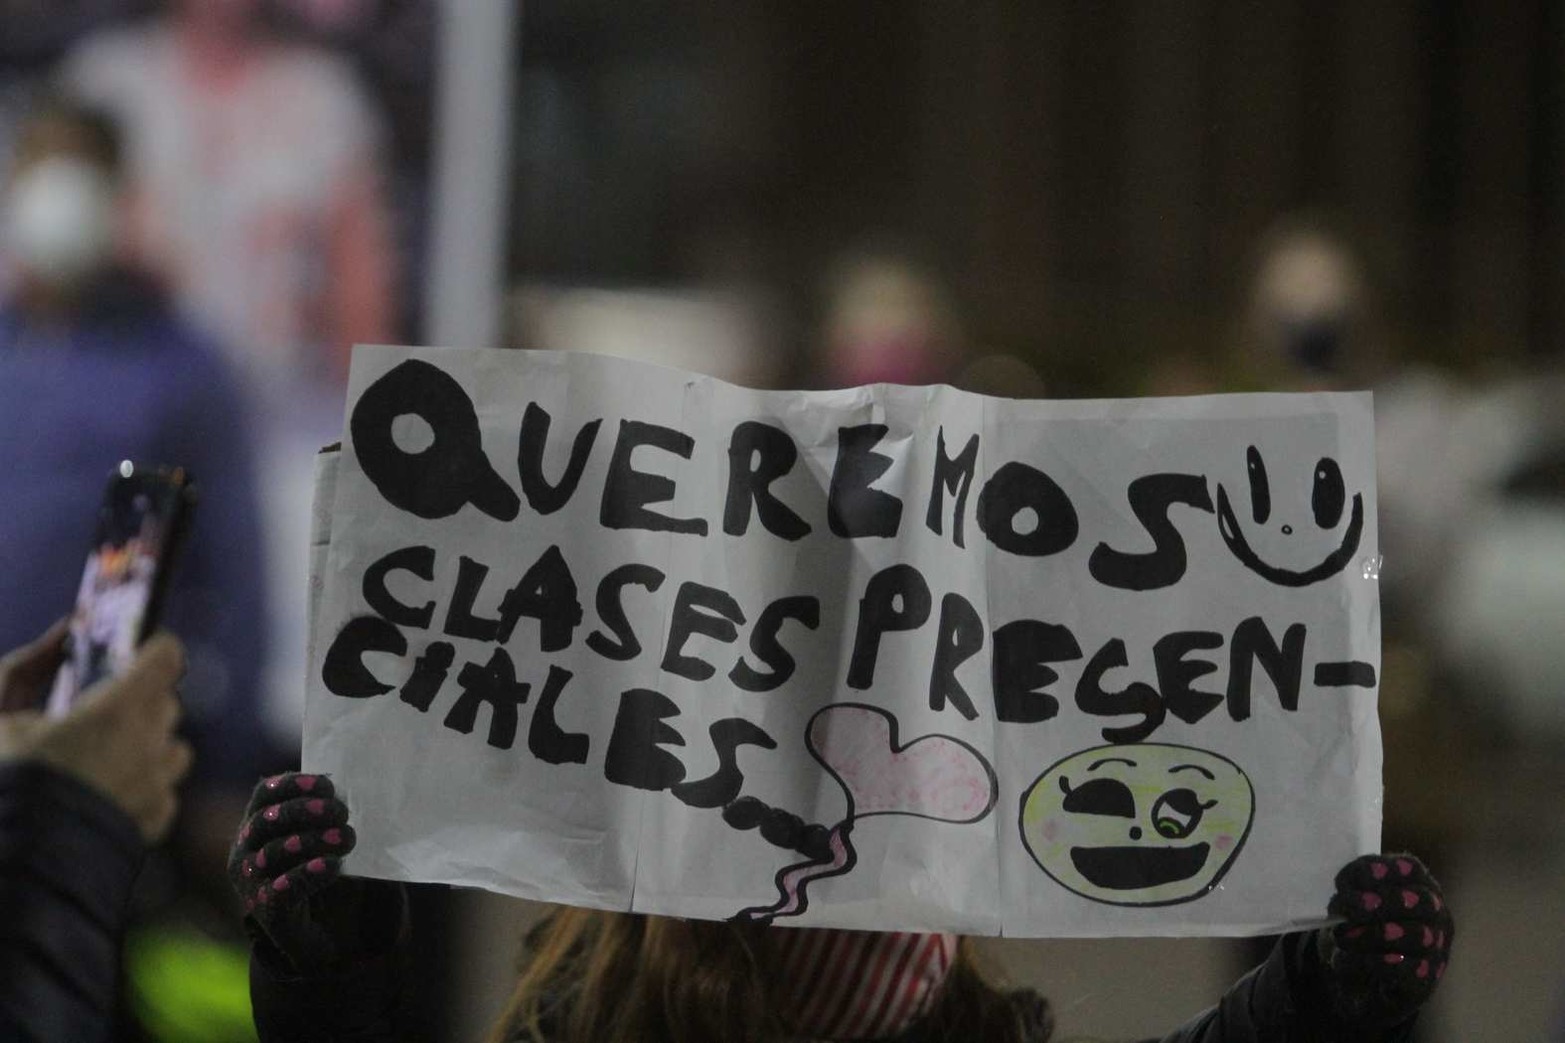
[140, 526]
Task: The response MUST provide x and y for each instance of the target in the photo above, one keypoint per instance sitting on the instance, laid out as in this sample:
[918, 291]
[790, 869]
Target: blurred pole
[466, 283]
[464, 296]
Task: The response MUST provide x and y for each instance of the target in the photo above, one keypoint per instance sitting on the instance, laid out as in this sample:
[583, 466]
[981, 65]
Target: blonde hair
[600, 977]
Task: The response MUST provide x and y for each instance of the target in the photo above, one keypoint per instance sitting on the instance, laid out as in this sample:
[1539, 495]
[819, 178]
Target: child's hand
[1386, 957]
[285, 865]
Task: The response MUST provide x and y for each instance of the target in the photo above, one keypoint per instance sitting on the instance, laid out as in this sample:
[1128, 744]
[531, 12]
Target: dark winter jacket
[68, 858]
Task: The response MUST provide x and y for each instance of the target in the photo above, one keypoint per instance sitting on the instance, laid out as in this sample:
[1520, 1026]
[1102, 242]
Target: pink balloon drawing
[935, 776]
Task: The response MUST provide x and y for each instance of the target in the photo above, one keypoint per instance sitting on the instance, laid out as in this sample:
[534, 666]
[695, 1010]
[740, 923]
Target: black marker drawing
[936, 777]
[1350, 674]
[1141, 825]
[1327, 499]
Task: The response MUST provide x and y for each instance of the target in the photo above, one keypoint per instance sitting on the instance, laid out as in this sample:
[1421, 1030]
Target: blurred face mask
[1315, 344]
[58, 223]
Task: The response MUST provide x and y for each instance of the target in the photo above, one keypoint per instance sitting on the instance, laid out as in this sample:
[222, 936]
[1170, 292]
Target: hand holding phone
[139, 528]
[121, 740]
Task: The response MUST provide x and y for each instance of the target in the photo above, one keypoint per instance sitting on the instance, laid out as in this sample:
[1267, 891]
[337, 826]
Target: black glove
[285, 867]
[1383, 961]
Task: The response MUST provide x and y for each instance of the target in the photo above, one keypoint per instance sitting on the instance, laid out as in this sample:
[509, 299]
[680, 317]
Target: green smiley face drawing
[1140, 825]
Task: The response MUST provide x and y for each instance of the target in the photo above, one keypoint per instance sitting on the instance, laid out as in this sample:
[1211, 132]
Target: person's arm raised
[1362, 980]
[80, 796]
[329, 956]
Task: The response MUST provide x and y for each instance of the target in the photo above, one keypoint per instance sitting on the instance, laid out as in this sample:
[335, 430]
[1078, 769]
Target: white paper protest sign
[602, 633]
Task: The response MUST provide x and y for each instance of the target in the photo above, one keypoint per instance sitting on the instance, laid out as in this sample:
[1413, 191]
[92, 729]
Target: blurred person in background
[256, 167]
[887, 320]
[35, 33]
[81, 797]
[1308, 322]
[95, 368]
[1471, 476]
[1313, 323]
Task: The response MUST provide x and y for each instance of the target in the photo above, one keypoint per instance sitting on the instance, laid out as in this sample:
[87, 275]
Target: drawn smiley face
[1141, 825]
[1328, 498]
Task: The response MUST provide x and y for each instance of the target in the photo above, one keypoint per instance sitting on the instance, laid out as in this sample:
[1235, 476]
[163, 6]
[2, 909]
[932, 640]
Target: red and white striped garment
[844, 985]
